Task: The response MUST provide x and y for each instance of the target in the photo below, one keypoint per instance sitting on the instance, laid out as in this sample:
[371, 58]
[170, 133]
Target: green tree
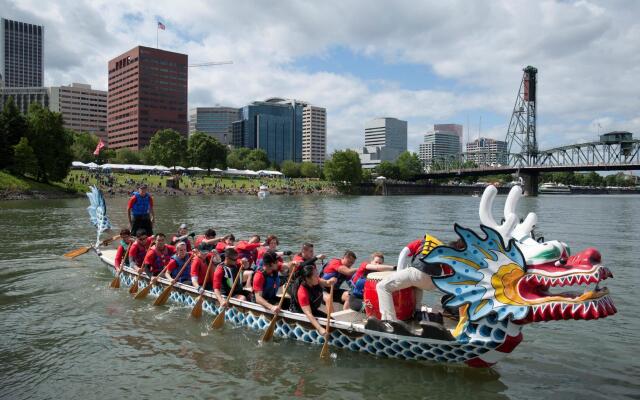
[167, 147]
[50, 142]
[409, 165]
[257, 160]
[126, 156]
[206, 152]
[237, 158]
[344, 166]
[84, 144]
[25, 161]
[388, 170]
[291, 169]
[13, 126]
[310, 170]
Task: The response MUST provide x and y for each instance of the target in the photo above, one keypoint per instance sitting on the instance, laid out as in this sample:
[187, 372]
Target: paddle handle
[329, 312]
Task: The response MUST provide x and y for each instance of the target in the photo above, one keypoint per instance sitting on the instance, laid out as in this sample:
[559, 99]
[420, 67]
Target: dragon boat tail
[501, 281]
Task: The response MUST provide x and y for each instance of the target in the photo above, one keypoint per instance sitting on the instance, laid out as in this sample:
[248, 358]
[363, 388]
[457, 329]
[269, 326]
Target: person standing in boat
[177, 262]
[359, 279]
[158, 256]
[140, 210]
[307, 294]
[266, 280]
[225, 274]
[183, 236]
[340, 268]
[125, 242]
[138, 249]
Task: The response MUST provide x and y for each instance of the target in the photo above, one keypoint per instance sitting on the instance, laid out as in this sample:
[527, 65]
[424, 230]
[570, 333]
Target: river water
[65, 334]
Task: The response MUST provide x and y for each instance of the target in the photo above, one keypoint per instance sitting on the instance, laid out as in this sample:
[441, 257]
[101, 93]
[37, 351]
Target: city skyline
[431, 68]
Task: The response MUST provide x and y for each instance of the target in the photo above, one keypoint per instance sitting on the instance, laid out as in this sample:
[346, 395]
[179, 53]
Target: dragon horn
[523, 229]
[486, 215]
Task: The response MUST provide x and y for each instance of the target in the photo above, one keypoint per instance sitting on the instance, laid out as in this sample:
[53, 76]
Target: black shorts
[337, 294]
[141, 222]
[356, 303]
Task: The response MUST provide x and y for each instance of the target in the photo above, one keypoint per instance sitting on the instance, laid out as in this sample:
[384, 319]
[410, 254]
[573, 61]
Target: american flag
[161, 25]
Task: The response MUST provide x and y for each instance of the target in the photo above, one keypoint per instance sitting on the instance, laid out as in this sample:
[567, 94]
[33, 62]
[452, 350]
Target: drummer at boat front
[418, 275]
[340, 268]
[140, 210]
[225, 274]
[359, 279]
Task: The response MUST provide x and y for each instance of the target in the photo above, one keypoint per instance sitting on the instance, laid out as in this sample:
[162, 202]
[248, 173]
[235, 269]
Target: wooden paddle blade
[115, 283]
[325, 349]
[196, 311]
[164, 296]
[134, 288]
[218, 322]
[77, 252]
[268, 334]
[144, 292]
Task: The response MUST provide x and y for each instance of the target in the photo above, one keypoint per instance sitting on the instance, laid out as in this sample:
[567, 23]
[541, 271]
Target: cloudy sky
[422, 61]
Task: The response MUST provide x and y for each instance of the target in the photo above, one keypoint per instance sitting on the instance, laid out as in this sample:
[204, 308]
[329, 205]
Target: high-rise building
[147, 92]
[21, 54]
[274, 125]
[214, 121]
[24, 96]
[384, 140]
[83, 109]
[314, 134]
[486, 151]
[444, 144]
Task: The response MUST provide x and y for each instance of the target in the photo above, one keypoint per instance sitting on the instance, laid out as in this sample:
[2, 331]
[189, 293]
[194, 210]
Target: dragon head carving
[506, 274]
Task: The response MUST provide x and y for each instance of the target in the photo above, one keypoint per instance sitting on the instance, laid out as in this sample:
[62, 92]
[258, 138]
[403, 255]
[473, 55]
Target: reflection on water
[66, 334]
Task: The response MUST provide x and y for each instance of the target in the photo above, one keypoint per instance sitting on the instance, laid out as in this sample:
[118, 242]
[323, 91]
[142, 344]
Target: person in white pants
[405, 278]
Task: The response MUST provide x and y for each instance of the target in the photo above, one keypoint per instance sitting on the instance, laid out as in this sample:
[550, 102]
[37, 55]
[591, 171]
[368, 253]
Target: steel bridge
[614, 151]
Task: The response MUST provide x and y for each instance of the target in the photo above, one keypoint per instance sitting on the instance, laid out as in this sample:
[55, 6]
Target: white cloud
[587, 53]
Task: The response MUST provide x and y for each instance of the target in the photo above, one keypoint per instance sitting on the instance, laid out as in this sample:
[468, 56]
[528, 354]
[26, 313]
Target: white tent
[92, 165]
[78, 164]
[265, 172]
[249, 172]
[160, 168]
[195, 169]
[179, 168]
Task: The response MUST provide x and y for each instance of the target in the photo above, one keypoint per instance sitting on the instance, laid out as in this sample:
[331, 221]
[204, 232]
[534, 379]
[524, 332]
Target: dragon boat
[501, 281]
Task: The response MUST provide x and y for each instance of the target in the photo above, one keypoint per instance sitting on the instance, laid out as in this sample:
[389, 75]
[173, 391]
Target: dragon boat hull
[490, 341]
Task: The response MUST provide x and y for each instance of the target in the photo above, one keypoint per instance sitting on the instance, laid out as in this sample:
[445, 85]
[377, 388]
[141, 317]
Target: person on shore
[125, 241]
[227, 241]
[158, 256]
[183, 236]
[359, 279]
[199, 265]
[266, 280]
[307, 294]
[340, 268]
[176, 263]
[139, 248]
[140, 210]
[307, 255]
[225, 275]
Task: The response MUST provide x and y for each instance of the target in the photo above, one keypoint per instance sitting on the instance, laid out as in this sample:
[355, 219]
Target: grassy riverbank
[17, 188]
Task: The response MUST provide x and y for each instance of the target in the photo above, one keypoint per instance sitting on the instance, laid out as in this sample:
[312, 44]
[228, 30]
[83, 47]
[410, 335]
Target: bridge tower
[521, 135]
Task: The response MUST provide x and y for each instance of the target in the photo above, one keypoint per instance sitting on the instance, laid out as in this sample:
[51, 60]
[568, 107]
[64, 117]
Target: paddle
[77, 252]
[268, 334]
[325, 347]
[134, 288]
[164, 296]
[218, 322]
[196, 311]
[144, 292]
[115, 283]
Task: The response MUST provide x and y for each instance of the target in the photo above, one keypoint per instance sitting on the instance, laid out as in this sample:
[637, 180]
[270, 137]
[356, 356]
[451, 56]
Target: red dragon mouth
[581, 269]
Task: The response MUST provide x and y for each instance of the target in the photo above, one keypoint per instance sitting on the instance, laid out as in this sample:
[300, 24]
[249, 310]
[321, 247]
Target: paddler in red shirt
[125, 241]
[138, 249]
[306, 255]
[266, 280]
[225, 275]
[199, 266]
[359, 279]
[158, 256]
[271, 243]
[183, 236]
[340, 268]
[228, 241]
[248, 250]
[307, 294]
[208, 241]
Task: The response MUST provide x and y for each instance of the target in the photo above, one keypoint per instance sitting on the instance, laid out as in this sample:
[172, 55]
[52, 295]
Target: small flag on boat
[98, 147]
[161, 26]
